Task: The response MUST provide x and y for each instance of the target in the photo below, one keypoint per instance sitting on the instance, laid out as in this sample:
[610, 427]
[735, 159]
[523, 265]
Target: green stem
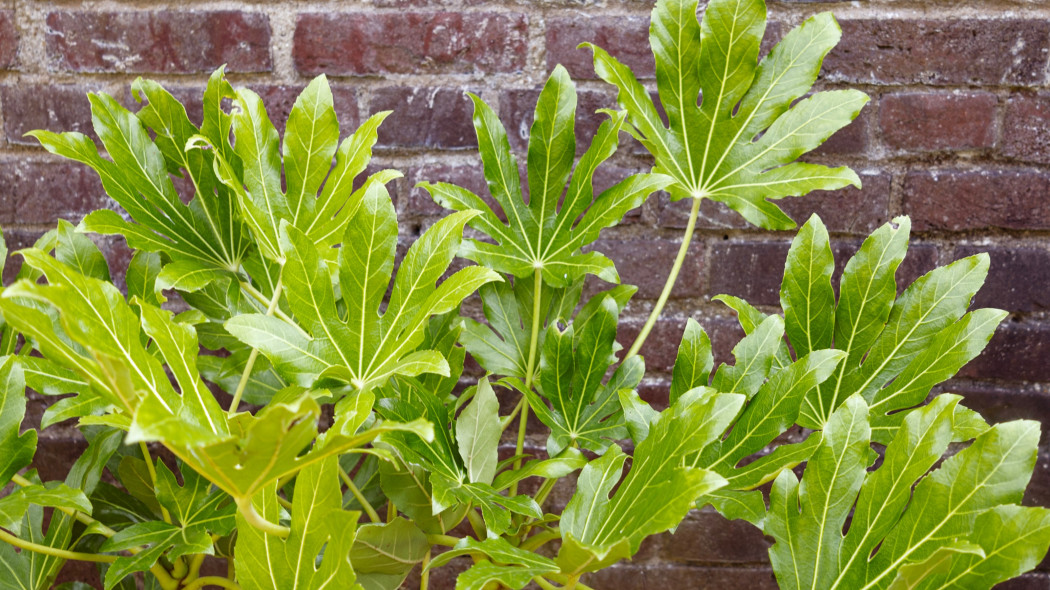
[258, 296]
[675, 269]
[53, 551]
[446, 540]
[244, 506]
[371, 512]
[424, 577]
[540, 539]
[153, 477]
[543, 583]
[212, 581]
[530, 370]
[544, 491]
[254, 354]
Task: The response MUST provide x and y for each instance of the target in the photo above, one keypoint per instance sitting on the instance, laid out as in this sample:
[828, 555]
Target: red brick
[707, 537]
[1017, 352]
[661, 347]
[933, 121]
[43, 192]
[8, 39]
[957, 200]
[625, 37]
[999, 403]
[1026, 128]
[159, 41]
[53, 107]
[632, 576]
[414, 201]
[1017, 279]
[425, 117]
[849, 210]
[940, 52]
[646, 263]
[851, 140]
[409, 42]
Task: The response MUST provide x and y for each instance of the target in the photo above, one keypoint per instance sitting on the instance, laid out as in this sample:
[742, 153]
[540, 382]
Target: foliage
[303, 385]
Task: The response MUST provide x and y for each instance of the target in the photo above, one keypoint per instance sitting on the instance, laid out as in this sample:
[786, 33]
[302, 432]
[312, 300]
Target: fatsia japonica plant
[298, 407]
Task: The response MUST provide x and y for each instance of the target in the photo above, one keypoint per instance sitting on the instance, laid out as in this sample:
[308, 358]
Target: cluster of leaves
[283, 259]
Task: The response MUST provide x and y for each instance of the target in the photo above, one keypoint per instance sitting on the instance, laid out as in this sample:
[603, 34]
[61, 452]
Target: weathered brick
[656, 575]
[425, 117]
[43, 192]
[52, 107]
[661, 346]
[849, 210]
[409, 42]
[1017, 352]
[8, 39]
[1017, 278]
[957, 200]
[625, 37]
[999, 403]
[158, 41]
[933, 121]
[940, 52]
[851, 140]
[415, 201]
[279, 100]
[707, 537]
[646, 262]
[1026, 128]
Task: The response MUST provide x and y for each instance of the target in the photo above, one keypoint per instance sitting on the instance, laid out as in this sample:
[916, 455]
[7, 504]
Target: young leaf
[318, 525]
[710, 148]
[478, 432]
[540, 235]
[897, 522]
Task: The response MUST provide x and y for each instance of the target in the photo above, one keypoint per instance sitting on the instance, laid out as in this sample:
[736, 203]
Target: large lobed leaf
[958, 526]
[547, 233]
[738, 143]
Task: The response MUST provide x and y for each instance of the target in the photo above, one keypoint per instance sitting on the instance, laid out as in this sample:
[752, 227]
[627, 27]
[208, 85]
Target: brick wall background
[957, 135]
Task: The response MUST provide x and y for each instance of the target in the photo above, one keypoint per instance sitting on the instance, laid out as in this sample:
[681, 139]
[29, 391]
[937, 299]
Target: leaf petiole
[247, 510]
[369, 510]
[254, 353]
[212, 581]
[54, 552]
[530, 370]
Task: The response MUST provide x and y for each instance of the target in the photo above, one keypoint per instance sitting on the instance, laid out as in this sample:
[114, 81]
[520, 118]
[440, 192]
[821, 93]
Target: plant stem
[540, 539]
[371, 512]
[543, 583]
[529, 370]
[544, 491]
[212, 581]
[671, 278]
[254, 353]
[152, 469]
[446, 540]
[258, 296]
[244, 505]
[424, 577]
[53, 551]
[513, 414]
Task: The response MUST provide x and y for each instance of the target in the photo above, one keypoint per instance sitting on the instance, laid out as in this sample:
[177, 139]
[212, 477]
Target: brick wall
[957, 135]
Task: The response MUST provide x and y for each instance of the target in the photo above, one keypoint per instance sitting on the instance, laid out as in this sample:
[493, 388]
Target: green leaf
[554, 468]
[387, 551]
[362, 347]
[710, 149]
[480, 575]
[657, 491]
[15, 505]
[478, 432]
[318, 525]
[16, 448]
[904, 514]
[806, 294]
[496, 508]
[540, 235]
[692, 366]
[159, 538]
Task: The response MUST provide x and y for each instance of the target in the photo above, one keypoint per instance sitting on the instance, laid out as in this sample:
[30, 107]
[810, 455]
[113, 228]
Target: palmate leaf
[958, 527]
[896, 349]
[739, 145]
[658, 491]
[319, 526]
[205, 233]
[584, 412]
[360, 347]
[252, 170]
[16, 447]
[540, 235]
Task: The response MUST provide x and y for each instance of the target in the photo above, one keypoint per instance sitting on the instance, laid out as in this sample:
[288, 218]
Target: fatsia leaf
[16, 448]
[361, 347]
[383, 553]
[657, 492]
[739, 144]
[583, 411]
[14, 506]
[319, 526]
[904, 514]
[692, 366]
[541, 236]
[478, 432]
